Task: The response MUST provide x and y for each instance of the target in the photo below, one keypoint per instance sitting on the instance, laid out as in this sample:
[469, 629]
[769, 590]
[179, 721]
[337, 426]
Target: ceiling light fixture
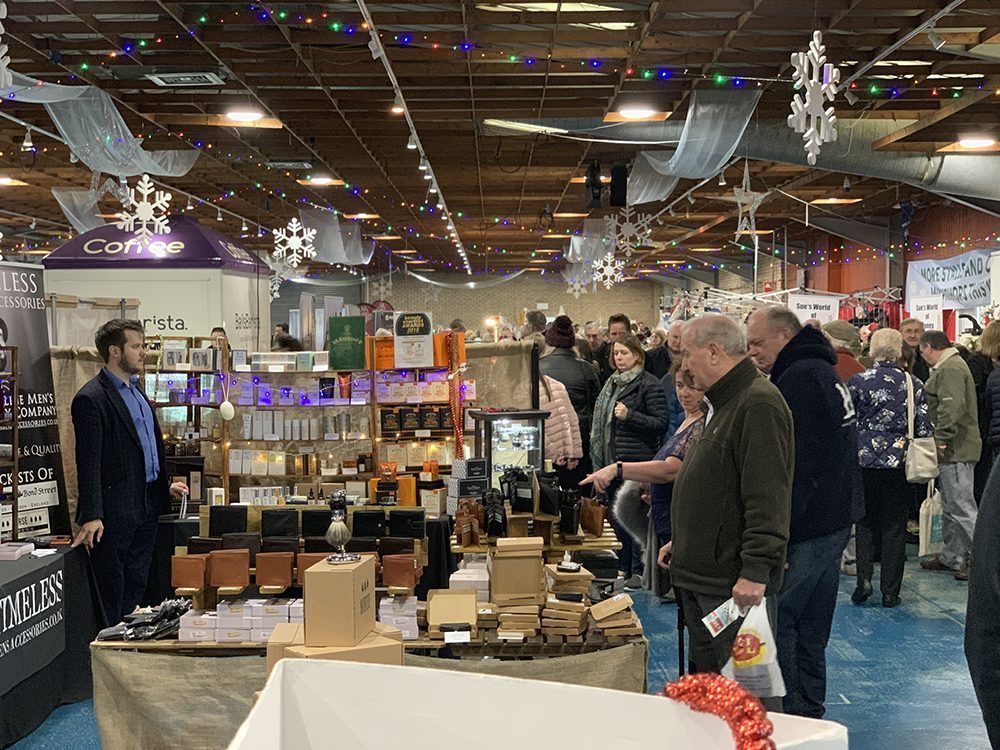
[851, 97]
[423, 165]
[570, 215]
[428, 176]
[398, 107]
[361, 216]
[244, 227]
[190, 205]
[722, 179]
[27, 145]
[636, 113]
[320, 181]
[14, 182]
[244, 115]
[411, 144]
[936, 40]
[835, 201]
[218, 216]
[974, 141]
[690, 198]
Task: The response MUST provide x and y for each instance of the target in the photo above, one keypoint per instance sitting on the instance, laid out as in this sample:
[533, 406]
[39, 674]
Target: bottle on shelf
[312, 497]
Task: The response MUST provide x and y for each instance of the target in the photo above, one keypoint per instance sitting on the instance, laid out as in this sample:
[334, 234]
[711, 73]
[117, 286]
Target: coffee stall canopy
[188, 245]
[187, 281]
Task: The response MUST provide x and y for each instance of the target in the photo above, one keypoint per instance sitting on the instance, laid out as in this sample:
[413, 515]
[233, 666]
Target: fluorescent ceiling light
[320, 181]
[977, 141]
[244, 115]
[548, 236]
[387, 237]
[756, 231]
[539, 260]
[835, 201]
[417, 262]
[11, 181]
[636, 114]
[582, 180]
[704, 249]
[361, 216]
[571, 215]
[548, 251]
[406, 251]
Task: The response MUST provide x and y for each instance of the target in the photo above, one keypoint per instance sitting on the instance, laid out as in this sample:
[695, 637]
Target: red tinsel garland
[740, 709]
[455, 393]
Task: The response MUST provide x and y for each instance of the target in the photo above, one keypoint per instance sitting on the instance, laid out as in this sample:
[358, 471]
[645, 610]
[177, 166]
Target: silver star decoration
[749, 201]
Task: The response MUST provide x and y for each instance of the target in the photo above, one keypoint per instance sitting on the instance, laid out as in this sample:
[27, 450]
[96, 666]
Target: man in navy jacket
[120, 468]
[825, 500]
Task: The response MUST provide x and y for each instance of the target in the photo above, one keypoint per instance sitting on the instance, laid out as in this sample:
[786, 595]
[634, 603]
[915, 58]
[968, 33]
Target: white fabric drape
[78, 208]
[592, 243]
[91, 126]
[336, 243]
[713, 128]
[488, 284]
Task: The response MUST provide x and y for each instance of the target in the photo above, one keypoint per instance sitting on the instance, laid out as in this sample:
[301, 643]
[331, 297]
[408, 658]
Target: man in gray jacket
[951, 396]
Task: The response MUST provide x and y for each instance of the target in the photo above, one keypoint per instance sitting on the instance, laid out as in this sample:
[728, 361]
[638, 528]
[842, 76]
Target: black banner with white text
[32, 612]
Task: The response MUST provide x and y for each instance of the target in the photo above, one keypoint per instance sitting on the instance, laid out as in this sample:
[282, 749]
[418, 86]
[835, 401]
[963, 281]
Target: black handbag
[515, 485]
[549, 493]
[227, 519]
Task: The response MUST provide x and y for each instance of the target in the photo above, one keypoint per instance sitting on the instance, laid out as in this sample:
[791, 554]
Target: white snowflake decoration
[431, 294]
[576, 287]
[749, 201]
[294, 243]
[608, 270]
[145, 213]
[629, 229]
[381, 288]
[819, 78]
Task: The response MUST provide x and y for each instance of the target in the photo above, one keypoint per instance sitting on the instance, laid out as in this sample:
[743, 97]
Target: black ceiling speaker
[592, 187]
[618, 195]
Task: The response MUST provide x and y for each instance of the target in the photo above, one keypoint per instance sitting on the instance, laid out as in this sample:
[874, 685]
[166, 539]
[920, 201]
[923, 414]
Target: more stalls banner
[40, 470]
[962, 281]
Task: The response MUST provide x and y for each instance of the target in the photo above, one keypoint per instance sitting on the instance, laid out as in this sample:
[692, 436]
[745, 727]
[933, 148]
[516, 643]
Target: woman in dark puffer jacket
[630, 420]
[989, 345]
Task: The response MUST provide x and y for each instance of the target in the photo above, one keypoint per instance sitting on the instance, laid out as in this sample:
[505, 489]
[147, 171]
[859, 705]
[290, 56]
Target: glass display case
[510, 438]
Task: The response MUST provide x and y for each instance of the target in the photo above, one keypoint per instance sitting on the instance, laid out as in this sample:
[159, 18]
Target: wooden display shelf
[555, 551]
[301, 406]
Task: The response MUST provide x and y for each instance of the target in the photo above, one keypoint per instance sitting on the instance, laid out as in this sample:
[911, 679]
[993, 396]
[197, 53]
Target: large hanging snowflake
[819, 78]
[145, 212]
[294, 243]
[608, 270]
[629, 229]
[381, 288]
[749, 201]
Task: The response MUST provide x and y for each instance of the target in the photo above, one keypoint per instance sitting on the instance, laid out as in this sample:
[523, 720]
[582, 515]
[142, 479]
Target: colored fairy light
[335, 26]
[663, 74]
[405, 39]
[466, 46]
[349, 30]
[527, 60]
[719, 79]
[594, 63]
[738, 82]
[873, 89]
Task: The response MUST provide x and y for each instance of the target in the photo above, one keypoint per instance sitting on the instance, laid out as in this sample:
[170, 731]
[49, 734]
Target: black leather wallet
[227, 519]
[280, 544]
[243, 541]
[362, 544]
[315, 521]
[368, 523]
[318, 544]
[394, 545]
[200, 545]
[408, 523]
[279, 522]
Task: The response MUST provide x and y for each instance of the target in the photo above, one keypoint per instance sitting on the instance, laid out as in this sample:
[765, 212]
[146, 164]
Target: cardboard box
[239, 622]
[475, 580]
[232, 635]
[512, 576]
[372, 649]
[284, 635]
[447, 606]
[339, 603]
[196, 619]
[522, 544]
[262, 635]
[270, 608]
[267, 623]
[609, 607]
[388, 631]
[196, 635]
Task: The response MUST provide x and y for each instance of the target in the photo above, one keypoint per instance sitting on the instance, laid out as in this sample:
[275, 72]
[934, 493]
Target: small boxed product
[467, 487]
[339, 602]
[295, 611]
[262, 635]
[434, 502]
[447, 607]
[372, 648]
[232, 635]
[430, 418]
[197, 619]
[516, 576]
[469, 468]
[474, 580]
[196, 635]
[239, 622]
[237, 607]
[409, 418]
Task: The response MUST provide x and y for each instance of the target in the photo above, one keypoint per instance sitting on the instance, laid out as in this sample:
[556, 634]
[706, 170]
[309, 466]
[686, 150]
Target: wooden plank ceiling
[309, 66]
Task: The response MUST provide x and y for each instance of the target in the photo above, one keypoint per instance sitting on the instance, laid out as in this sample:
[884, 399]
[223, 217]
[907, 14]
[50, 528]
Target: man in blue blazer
[120, 468]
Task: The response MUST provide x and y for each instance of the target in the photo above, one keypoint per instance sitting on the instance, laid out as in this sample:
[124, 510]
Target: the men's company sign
[963, 281]
[32, 612]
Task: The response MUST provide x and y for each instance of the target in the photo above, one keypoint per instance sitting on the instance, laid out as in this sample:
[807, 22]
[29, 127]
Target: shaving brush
[337, 533]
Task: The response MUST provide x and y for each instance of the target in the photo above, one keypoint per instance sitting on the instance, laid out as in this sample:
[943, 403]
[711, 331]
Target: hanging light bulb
[397, 105]
[244, 228]
[190, 204]
[411, 144]
[722, 179]
[218, 216]
[423, 165]
[27, 145]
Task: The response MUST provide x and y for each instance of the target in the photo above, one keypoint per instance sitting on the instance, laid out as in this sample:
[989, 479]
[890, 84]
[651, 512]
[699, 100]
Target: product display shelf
[554, 551]
[11, 422]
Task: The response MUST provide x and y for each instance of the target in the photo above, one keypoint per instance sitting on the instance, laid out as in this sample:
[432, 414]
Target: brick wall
[637, 299]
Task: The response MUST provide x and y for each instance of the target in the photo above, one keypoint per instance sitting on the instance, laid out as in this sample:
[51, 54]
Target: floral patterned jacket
[879, 395]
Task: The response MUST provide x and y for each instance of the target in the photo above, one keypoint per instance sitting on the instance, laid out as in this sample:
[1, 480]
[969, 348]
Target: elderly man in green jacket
[732, 500]
[951, 396]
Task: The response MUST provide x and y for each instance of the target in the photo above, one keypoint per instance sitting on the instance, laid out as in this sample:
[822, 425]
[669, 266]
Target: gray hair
[718, 329]
[592, 326]
[678, 323]
[837, 343]
[886, 343]
[780, 318]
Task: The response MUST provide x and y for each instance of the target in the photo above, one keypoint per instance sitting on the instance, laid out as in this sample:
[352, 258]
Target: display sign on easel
[817, 307]
[414, 339]
[929, 311]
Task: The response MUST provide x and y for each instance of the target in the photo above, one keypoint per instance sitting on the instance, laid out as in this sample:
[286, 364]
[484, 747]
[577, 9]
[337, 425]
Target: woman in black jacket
[630, 420]
[989, 345]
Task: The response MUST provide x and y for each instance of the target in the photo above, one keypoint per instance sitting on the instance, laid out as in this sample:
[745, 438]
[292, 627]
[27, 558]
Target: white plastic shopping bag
[931, 533]
[754, 660]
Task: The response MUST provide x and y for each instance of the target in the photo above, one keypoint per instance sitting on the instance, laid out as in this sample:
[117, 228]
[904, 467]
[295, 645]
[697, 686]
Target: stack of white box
[473, 577]
[400, 612]
[249, 621]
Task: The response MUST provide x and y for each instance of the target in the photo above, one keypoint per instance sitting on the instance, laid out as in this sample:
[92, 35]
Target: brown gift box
[339, 602]
[229, 567]
[371, 649]
[307, 560]
[188, 571]
[284, 634]
[400, 570]
[275, 568]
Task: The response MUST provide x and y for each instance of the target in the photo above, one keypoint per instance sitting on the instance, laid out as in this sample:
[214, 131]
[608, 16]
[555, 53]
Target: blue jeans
[805, 614]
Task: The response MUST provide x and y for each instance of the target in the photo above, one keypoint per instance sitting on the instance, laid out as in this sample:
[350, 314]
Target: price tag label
[458, 636]
[275, 368]
[341, 402]
[362, 401]
[423, 433]
[414, 399]
[354, 435]
[332, 436]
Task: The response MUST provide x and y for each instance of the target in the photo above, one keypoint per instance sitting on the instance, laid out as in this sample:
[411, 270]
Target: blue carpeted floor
[897, 677]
